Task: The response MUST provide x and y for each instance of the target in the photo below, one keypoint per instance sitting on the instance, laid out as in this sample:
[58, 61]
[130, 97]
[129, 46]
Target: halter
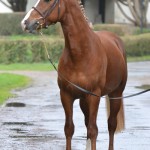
[45, 14]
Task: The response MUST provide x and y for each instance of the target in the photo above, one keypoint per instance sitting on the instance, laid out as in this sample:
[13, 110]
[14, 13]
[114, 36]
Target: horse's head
[43, 14]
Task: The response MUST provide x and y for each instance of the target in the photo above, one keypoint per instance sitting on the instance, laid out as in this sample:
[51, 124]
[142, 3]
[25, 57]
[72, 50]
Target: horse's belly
[115, 78]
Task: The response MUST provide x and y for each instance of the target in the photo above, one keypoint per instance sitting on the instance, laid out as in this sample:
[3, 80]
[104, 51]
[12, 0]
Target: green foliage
[9, 82]
[26, 50]
[10, 24]
[120, 30]
[138, 58]
[29, 49]
[28, 66]
[137, 45]
[138, 31]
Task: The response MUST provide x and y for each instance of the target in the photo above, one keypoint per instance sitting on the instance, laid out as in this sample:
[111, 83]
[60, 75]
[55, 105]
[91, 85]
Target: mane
[84, 14]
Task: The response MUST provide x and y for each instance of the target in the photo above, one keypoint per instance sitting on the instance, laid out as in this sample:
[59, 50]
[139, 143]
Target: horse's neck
[77, 33]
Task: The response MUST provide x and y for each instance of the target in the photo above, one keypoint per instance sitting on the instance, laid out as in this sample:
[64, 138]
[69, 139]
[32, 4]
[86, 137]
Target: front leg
[92, 129]
[67, 102]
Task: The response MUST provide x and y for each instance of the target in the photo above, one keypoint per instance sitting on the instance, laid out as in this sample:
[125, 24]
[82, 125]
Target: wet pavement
[34, 120]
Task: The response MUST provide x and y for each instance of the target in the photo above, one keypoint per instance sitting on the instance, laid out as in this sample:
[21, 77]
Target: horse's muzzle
[30, 26]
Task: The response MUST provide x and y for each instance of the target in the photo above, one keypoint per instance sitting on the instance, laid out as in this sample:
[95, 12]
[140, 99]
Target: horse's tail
[120, 116]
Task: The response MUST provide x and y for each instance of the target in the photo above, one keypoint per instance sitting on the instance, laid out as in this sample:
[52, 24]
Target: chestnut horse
[95, 61]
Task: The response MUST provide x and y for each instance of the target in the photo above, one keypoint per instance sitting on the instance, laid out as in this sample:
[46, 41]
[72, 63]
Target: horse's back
[112, 40]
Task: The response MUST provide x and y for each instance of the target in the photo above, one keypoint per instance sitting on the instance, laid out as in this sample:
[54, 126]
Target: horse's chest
[77, 78]
[87, 82]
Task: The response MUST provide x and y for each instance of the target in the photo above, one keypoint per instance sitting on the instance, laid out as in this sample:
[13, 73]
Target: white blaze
[88, 144]
[27, 16]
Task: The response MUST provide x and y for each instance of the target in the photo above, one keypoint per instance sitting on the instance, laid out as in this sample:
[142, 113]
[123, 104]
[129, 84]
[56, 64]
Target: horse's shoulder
[109, 39]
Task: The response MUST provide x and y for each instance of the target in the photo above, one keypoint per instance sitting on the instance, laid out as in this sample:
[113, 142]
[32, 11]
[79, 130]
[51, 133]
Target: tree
[15, 5]
[138, 9]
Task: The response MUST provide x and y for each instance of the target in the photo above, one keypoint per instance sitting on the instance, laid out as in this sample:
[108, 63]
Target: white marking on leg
[88, 144]
[27, 16]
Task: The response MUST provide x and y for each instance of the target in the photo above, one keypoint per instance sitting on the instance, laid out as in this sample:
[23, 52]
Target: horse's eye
[47, 0]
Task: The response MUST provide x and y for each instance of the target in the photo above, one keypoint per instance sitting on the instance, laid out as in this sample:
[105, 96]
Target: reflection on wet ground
[15, 104]
[34, 120]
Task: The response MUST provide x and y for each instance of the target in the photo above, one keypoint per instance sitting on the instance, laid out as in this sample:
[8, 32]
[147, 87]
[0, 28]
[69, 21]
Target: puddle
[18, 123]
[141, 128]
[19, 130]
[144, 86]
[129, 105]
[33, 137]
[15, 104]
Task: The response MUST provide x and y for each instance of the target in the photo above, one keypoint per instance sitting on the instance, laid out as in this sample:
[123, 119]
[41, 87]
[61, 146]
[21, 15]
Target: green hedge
[137, 45]
[10, 24]
[28, 51]
[31, 49]
[119, 29]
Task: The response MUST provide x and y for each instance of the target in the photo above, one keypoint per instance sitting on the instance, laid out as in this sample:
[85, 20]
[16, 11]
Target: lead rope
[78, 87]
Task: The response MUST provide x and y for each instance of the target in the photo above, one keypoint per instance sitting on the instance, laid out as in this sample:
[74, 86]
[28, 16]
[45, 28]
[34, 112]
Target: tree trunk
[15, 5]
[18, 5]
[138, 9]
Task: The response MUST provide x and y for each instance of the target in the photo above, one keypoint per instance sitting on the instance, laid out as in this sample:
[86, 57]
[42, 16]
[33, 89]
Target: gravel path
[34, 120]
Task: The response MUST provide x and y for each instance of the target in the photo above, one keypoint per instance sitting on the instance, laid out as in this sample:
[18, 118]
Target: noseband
[45, 14]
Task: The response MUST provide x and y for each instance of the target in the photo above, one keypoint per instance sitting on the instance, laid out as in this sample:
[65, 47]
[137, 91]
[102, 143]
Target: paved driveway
[34, 120]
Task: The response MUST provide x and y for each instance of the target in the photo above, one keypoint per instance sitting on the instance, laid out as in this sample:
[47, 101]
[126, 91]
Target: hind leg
[85, 110]
[116, 109]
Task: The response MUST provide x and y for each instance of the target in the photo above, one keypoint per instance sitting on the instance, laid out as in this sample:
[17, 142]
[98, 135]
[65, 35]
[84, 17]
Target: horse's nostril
[25, 22]
[30, 26]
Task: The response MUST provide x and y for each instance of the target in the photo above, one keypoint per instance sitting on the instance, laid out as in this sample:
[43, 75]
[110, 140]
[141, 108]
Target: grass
[28, 67]
[29, 37]
[140, 58]
[144, 30]
[48, 67]
[9, 82]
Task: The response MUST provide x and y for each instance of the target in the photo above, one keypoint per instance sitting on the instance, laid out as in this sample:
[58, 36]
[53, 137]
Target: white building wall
[31, 3]
[4, 9]
[148, 14]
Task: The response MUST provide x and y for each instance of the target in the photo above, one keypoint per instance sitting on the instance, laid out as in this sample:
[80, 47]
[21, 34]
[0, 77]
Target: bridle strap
[52, 8]
[39, 12]
[49, 11]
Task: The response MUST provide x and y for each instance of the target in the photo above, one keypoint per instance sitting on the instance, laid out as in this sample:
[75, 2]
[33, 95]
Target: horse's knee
[92, 131]
[69, 129]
